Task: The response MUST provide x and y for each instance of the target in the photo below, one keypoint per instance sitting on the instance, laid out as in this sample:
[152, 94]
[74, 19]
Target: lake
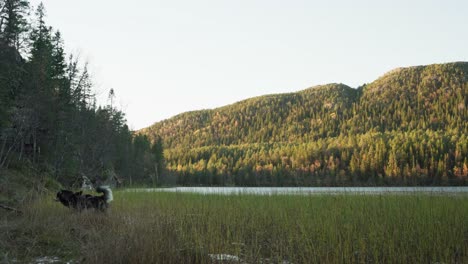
[308, 190]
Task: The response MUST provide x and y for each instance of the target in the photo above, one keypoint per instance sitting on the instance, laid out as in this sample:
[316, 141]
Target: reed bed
[159, 227]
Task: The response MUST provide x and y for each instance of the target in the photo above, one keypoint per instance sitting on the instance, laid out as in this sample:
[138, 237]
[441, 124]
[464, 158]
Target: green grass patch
[159, 227]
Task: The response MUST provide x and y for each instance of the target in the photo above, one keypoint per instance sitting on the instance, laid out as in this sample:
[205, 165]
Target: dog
[78, 201]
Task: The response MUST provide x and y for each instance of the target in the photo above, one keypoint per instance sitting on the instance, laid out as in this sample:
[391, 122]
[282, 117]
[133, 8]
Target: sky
[163, 58]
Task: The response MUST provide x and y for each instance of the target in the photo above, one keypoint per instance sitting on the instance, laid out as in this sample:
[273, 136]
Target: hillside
[423, 97]
[407, 127]
[305, 115]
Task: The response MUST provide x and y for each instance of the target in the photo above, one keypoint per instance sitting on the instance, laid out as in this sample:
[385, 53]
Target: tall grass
[192, 228]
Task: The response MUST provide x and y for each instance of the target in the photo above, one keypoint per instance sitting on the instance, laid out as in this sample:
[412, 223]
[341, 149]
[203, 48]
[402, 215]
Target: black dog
[79, 201]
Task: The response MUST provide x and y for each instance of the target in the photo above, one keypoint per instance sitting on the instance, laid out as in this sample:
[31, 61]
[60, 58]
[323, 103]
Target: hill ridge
[392, 72]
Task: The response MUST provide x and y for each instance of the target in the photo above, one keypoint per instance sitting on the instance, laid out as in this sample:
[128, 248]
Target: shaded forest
[408, 127]
[51, 128]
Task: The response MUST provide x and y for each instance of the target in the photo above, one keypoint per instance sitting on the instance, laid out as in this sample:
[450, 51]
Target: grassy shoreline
[160, 227]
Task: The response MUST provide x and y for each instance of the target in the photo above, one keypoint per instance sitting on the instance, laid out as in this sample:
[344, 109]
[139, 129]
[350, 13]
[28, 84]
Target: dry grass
[187, 228]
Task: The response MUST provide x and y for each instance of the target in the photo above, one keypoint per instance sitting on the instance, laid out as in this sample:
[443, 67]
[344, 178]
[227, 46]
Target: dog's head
[67, 198]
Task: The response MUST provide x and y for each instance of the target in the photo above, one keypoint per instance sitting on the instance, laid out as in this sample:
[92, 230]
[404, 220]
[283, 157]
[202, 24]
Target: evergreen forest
[52, 132]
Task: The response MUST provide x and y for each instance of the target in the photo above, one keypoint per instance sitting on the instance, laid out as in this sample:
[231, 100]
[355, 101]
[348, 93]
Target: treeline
[371, 159]
[49, 118]
[409, 127]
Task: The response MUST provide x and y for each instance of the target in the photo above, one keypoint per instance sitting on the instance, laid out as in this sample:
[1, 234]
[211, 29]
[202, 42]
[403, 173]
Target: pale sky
[166, 57]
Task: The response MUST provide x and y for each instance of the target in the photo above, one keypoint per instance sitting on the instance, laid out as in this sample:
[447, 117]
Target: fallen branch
[11, 209]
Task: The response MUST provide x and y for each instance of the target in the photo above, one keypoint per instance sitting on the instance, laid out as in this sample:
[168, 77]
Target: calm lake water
[308, 190]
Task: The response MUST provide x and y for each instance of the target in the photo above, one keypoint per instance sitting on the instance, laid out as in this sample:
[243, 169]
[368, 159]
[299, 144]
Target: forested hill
[306, 115]
[407, 127]
[404, 99]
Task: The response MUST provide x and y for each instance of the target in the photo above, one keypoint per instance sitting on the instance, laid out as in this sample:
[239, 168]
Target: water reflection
[308, 190]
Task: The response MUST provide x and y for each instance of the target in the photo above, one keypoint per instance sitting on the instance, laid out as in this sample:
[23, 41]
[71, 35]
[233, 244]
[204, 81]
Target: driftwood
[11, 209]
